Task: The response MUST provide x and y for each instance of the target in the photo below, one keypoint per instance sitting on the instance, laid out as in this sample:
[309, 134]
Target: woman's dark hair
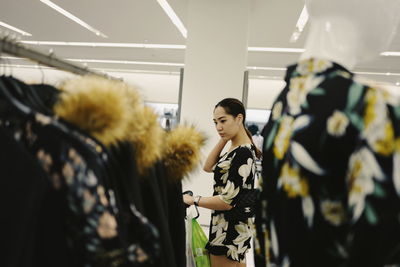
[234, 107]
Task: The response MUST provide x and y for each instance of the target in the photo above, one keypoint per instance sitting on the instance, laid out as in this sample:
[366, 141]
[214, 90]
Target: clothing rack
[9, 46]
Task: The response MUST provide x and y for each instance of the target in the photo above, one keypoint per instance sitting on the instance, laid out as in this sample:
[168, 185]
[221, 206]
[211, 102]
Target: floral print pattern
[331, 167]
[91, 223]
[233, 172]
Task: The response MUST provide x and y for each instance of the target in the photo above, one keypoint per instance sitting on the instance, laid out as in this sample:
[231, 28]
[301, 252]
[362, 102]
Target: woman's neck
[335, 39]
[240, 139]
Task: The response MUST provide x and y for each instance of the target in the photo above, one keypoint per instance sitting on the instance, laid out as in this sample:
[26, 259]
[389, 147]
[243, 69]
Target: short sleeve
[240, 170]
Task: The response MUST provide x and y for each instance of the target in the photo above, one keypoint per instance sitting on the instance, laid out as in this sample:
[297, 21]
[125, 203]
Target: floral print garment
[331, 172]
[233, 172]
[92, 227]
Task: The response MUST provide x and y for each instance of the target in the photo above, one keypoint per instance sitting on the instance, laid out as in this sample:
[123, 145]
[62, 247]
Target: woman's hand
[188, 199]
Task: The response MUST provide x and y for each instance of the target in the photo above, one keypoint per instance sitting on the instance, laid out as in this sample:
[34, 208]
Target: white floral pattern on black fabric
[233, 172]
[331, 168]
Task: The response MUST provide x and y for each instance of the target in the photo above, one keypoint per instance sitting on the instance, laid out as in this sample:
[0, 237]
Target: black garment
[153, 187]
[76, 223]
[331, 165]
[176, 216]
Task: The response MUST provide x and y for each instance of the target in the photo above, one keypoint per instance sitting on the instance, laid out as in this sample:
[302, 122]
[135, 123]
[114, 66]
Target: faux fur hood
[99, 106]
[147, 137]
[182, 151]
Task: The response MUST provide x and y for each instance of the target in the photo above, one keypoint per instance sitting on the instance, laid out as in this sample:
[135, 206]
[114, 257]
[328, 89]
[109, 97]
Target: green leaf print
[305, 104]
[370, 214]
[355, 92]
[271, 136]
[317, 91]
[379, 191]
[356, 120]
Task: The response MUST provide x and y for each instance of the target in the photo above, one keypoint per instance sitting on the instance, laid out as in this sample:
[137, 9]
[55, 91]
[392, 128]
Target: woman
[229, 239]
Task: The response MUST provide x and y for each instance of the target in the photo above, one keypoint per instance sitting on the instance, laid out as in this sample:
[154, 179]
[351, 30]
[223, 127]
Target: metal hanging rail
[16, 49]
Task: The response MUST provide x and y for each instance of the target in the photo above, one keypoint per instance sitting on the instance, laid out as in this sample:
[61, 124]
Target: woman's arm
[213, 203]
[214, 155]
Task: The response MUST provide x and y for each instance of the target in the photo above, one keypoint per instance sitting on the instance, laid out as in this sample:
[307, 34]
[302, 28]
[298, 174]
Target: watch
[196, 200]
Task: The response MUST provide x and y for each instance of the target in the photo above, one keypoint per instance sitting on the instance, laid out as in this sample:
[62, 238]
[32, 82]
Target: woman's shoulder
[243, 150]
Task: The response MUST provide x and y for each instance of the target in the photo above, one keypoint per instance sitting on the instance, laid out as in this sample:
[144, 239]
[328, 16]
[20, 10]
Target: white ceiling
[143, 21]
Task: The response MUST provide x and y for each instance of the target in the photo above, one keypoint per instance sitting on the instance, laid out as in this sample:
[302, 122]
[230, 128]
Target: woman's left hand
[188, 199]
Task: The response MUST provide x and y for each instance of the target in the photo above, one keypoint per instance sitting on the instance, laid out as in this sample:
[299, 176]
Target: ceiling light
[301, 23]
[126, 62]
[276, 49]
[377, 73]
[8, 26]
[72, 17]
[119, 45]
[397, 83]
[264, 68]
[173, 17]
[389, 53]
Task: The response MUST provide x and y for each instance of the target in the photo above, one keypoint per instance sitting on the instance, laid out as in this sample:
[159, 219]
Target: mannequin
[348, 32]
[331, 183]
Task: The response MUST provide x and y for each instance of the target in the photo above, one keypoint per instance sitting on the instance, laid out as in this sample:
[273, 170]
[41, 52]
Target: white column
[215, 61]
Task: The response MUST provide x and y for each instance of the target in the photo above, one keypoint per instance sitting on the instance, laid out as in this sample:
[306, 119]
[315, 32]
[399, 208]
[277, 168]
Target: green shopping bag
[199, 241]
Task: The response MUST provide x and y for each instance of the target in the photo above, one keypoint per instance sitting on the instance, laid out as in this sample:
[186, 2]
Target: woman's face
[227, 126]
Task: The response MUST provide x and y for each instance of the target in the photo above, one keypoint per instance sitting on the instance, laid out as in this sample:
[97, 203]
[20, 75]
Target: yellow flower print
[337, 124]
[370, 111]
[282, 138]
[299, 88]
[386, 144]
[378, 128]
[277, 110]
[313, 65]
[363, 169]
[333, 212]
[291, 181]
[107, 227]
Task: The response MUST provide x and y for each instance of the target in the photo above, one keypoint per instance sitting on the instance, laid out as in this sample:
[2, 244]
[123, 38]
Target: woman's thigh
[223, 261]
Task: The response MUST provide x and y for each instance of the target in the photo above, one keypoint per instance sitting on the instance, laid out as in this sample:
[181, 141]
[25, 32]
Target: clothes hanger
[190, 193]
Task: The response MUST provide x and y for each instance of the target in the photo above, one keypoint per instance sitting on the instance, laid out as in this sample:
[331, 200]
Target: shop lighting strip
[301, 23]
[73, 18]
[173, 17]
[15, 29]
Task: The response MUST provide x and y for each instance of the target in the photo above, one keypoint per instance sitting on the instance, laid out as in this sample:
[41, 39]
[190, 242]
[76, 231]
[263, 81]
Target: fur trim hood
[182, 151]
[146, 136]
[97, 105]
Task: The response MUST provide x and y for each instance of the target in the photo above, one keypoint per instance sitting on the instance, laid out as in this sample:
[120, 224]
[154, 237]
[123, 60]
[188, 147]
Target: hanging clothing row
[89, 177]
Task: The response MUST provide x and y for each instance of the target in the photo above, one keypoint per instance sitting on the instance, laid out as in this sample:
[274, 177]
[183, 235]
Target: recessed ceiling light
[276, 49]
[301, 23]
[390, 53]
[126, 62]
[15, 29]
[377, 73]
[119, 45]
[73, 18]
[173, 17]
[264, 68]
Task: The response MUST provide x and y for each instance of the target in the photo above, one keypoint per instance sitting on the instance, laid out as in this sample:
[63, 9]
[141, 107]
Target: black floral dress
[331, 172]
[233, 172]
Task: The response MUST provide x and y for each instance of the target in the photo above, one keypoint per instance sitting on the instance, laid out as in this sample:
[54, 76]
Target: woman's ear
[239, 118]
